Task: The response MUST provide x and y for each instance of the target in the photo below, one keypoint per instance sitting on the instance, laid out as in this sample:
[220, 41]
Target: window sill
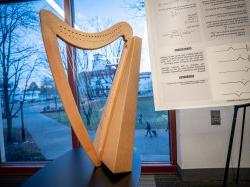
[158, 168]
[22, 168]
[32, 167]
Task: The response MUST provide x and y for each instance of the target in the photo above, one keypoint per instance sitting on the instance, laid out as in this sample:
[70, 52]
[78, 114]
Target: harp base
[75, 169]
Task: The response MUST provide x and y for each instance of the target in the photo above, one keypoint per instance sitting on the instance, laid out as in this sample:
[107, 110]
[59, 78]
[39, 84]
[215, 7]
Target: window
[28, 97]
[33, 124]
[152, 131]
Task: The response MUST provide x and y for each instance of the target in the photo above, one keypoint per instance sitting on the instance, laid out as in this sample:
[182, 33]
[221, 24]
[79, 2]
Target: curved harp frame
[113, 143]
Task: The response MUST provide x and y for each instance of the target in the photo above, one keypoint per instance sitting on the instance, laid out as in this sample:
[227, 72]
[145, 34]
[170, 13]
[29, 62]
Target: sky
[114, 10]
[85, 10]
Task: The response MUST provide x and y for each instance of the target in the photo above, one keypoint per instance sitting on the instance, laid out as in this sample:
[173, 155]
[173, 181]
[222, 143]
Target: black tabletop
[74, 169]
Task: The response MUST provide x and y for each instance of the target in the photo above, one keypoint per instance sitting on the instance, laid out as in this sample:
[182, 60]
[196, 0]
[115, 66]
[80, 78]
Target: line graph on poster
[246, 70]
[231, 48]
[236, 93]
[238, 59]
[242, 82]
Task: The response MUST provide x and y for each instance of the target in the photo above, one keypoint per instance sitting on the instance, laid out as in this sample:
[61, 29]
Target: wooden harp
[114, 139]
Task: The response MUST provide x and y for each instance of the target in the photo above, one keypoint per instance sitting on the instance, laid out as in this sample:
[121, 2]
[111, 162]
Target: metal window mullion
[69, 18]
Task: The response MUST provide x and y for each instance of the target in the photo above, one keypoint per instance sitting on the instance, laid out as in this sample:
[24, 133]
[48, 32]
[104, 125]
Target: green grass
[16, 150]
[145, 106]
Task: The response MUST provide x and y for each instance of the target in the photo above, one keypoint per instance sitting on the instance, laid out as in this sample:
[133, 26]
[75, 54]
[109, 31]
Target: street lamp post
[2, 148]
[22, 123]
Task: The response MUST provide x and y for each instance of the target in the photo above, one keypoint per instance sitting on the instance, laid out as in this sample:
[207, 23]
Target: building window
[33, 123]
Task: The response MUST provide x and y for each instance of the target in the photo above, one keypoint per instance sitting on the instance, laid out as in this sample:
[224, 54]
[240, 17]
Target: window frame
[29, 168]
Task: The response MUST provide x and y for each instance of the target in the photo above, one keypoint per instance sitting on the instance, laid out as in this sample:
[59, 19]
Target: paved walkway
[51, 137]
[54, 139]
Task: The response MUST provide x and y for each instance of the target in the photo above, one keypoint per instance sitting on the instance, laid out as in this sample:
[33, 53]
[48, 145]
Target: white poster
[199, 52]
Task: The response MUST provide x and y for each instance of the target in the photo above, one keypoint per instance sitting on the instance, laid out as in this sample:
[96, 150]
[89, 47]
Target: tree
[32, 88]
[90, 77]
[136, 8]
[84, 88]
[48, 89]
[16, 55]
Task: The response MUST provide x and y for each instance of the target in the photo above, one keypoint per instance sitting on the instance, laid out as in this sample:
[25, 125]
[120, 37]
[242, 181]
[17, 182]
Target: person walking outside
[148, 129]
[140, 119]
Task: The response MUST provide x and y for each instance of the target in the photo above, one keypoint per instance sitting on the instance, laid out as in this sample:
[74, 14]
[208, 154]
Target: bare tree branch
[16, 20]
[135, 8]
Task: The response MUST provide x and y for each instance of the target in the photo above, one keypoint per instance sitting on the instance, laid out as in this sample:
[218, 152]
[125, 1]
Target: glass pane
[151, 134]
[29, 100]
[95, 72]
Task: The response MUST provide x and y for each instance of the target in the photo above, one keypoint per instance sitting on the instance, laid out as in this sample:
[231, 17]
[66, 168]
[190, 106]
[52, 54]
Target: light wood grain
[114, 140]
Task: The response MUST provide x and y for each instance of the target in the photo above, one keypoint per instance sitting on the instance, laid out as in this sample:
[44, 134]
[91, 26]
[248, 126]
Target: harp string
[81, 68]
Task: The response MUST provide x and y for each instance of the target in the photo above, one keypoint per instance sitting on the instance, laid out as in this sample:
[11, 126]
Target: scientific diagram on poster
[199, 52]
